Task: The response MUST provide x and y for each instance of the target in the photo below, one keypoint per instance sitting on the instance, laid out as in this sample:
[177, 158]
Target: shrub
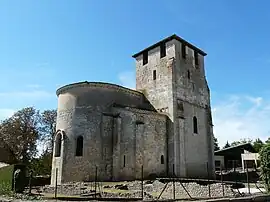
[265, 165]
[6, 179]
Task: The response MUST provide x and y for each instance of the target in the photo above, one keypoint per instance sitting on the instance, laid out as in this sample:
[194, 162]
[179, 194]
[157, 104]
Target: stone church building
[164, 125]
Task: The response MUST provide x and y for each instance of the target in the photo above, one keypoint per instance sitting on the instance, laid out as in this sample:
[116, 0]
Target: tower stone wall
[180, 89]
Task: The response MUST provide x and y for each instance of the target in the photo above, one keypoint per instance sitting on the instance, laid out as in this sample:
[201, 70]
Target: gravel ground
[152, 189]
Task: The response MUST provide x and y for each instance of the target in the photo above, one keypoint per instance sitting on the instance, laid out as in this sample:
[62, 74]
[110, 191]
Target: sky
[48, 44]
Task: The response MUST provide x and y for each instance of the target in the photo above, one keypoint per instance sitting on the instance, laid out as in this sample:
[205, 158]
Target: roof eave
[174, 36]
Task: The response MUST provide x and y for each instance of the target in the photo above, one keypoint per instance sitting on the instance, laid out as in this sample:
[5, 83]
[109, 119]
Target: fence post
[209, 190]
[56, 176]
[221, 177]
[142, 181]
[173, 183]
[247, 177]
[30, 183]
[80, 188]
[234, 172]
[96, 182]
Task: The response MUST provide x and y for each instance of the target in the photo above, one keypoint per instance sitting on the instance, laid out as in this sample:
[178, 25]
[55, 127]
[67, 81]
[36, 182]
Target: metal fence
[227, 184]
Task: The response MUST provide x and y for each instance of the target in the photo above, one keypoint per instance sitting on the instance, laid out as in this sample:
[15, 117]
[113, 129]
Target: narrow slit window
[180, 106]
[145, 58]
[154, 74]
[58, 144]
[124, 162]
[196, 57]
[188, 74]
[193, 87]
[162, 50]
[195, 125]
[183, 51]
[162, 159]
[79, 146]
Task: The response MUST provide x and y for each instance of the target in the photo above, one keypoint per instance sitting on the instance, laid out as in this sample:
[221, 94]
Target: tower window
[58, 144]
[188, 74]
[154, 74]
[124, 163]
[195, 125]
[145, 58]
[196, 57]
[162, 50]
[193, 87]
[79, 146]
[162, 159]
[183, 50]
[180, 106]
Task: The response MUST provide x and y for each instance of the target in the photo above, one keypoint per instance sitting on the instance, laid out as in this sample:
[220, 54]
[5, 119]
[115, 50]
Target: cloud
[6, 113]
[256, 100]
[34, 94]
[235, 117]
[239, 117]
[128, 79]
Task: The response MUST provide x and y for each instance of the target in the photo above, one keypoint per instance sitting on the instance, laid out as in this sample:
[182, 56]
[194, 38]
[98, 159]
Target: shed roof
[245, 146]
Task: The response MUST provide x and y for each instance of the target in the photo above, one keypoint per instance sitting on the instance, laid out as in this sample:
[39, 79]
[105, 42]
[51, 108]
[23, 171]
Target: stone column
[243, 164]
[117, 125]
[62, 159]
[57, 163]
[182, 156]
[139, 149]
[210, 142]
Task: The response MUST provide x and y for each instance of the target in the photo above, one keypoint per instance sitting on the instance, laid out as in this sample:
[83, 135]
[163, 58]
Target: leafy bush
[6, 179]
[265, 165]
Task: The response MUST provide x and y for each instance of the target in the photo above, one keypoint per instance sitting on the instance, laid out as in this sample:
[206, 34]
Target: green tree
[20, 133]
[257, 145]
[226, 145]
[216, 147]
[48, 128]
[241, 141]
[265, 165]
[42, 165]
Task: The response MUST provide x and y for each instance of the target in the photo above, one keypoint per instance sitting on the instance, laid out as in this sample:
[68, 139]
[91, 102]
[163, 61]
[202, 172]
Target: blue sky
[47, 44]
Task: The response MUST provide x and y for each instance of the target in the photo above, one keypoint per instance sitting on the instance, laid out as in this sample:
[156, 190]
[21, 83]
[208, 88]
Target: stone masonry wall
[143, 141]
[159, 91]
[108, 133]
[181, 98]
[192, 92]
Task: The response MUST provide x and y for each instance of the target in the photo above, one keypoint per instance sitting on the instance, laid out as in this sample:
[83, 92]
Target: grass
[115, 191]
[6, 174]
[49, 195]
[155, 194]
[112, 183]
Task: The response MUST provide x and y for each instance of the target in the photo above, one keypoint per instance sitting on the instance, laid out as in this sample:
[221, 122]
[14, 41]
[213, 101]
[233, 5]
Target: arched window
[79, 146]
[162, 159]
[58, 144]
[195, 125]
[124, 163]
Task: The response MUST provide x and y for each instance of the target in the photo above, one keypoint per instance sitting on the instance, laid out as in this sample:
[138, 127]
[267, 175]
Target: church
[162, 127]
